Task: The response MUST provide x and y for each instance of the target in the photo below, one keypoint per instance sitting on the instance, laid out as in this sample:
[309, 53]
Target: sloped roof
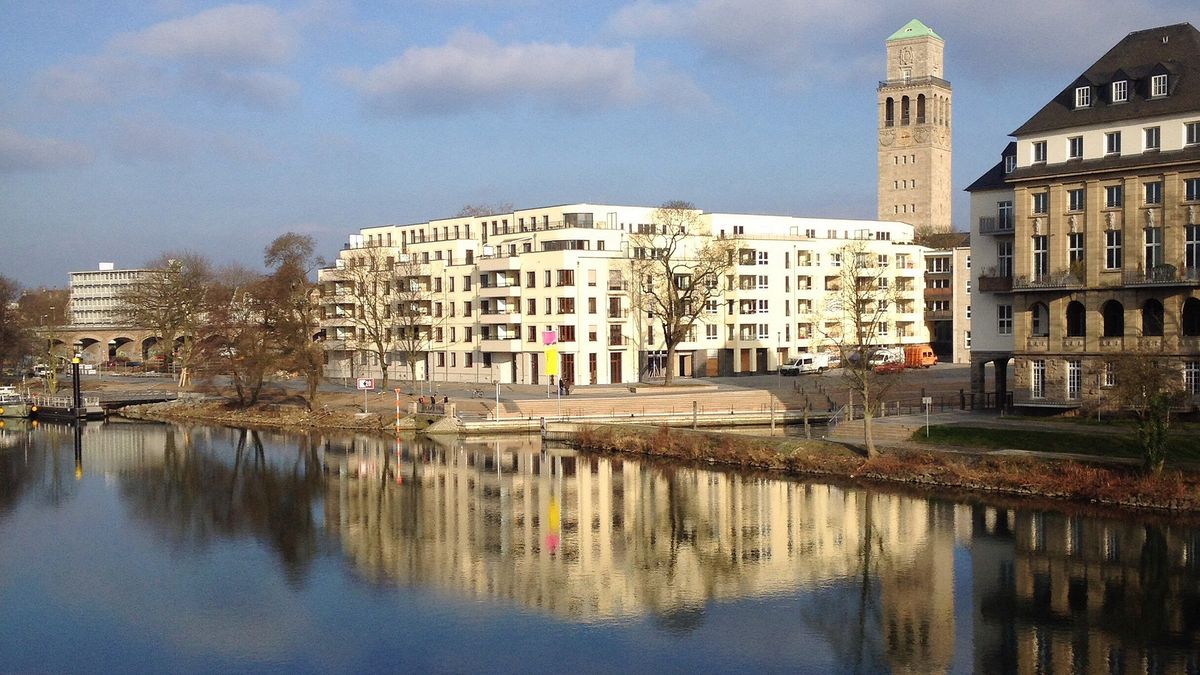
[913, 29]
[1174, 50]
[993, 179]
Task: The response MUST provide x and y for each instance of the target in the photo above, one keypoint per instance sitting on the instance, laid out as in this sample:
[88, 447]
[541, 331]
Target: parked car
[890, 367]
[919, 356]
[805, 363]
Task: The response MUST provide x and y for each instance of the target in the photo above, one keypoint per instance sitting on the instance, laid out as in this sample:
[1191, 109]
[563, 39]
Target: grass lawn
[1182, 447]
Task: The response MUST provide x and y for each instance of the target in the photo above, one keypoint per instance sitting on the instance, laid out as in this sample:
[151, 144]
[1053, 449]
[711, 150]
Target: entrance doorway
[614, 368]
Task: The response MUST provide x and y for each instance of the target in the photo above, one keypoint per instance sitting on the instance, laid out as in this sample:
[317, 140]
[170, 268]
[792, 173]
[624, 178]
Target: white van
[805, 363]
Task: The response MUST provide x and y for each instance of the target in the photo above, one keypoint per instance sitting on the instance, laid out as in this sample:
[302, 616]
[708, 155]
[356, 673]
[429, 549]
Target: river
[167, 548]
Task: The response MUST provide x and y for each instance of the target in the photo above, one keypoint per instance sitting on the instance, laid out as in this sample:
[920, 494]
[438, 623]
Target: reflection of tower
[916, 575]
[914, 131]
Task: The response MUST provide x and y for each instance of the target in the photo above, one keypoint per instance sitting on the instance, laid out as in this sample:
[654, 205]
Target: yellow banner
[551, 361]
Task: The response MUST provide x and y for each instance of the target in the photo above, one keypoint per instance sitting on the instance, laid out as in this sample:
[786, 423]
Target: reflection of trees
[195, 497]
[43, 468]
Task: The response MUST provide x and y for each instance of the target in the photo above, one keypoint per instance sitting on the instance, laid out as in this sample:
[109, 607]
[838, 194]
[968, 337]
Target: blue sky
[131, 128]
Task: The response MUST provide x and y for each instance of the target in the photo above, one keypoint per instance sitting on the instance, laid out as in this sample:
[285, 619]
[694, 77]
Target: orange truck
[919, 356]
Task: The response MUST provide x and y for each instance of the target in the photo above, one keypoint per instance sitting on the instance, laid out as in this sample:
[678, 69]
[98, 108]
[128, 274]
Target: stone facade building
[914, 131]
[1105, 223]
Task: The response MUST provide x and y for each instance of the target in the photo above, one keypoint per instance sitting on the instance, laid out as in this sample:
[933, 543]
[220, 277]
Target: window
[566, 277]
[1154, 248]
[1039, 151]
[1010, 163]
[1153, 193]
[1191, 189]
[1074, 247]
[1191, 377]
[1004, 212]
[1074, 379]
[1120, 91]
[1110, 374]
[1041, 203]
[1076, 199]
[764, 331]
[762, 257]
[1191, 133]
[710, 331]
[1191, 247]
[1037, 383]
[1004, 258]
[566, 305]
[1041, 255]
[1075, 147]
[1114, 196]
[1112, 143]
[1083, 97]
[1158, 85]
[1112, 250]
[940, 265]
[531, 280]
[1152, 138]
[1004, 319]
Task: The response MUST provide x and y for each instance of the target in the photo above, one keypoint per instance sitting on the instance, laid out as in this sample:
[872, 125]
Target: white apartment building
[494, 285]
[95, 294]
[992, 230]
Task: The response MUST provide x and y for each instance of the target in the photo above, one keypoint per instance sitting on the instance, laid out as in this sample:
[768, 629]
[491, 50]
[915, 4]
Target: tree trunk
[314, 382]
[383, 368]
[668, 371]
[868, 428]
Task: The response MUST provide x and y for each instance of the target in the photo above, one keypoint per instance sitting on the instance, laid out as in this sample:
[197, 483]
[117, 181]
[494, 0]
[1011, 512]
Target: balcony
[616, 340]
[616, 286]
[506, 317]
[991, 283]
[1163, 275]
[938, 315]
[938, 293]
[1054, 280]
[615, 315]
[497, 263]
[995, 225]
[509, 291]
[498, 345]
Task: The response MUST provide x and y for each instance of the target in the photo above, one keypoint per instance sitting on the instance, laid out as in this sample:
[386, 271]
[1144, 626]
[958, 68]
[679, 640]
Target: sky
[130, 128]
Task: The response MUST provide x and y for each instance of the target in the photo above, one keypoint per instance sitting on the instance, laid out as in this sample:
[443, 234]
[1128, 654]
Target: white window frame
[1191, 133]
[1074, 379]
[1154, 247]
[1039, 152]
[1191, 189]
[1041, 255]
[1113, 254]
[1191, 377]
[1075, 247]
[761, 257]
[1076, 199]
[1152, 138]
[1010, 163]
[1075, 147]
[1114, 196]
[1152, 191]
[1037, 378]
[1004, 258]
[1112, 143]
[1040, 203]
[1120, 91]
[1191, 246]
[1158, 86]
[1083, 97]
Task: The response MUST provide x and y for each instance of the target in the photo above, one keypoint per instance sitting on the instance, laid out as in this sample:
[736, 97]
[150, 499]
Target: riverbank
[265, 415]
[1117, 486]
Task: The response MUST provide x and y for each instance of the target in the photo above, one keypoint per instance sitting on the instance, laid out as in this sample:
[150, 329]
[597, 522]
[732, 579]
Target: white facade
[95, 294]
[496, 283]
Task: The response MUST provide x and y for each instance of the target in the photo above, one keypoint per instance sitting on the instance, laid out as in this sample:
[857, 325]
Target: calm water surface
[160, 548]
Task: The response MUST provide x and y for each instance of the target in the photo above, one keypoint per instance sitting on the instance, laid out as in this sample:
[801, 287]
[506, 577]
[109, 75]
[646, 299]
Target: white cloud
[256, 89]
[231, 34]
[471, 71]
[19, 152]
[219, 53]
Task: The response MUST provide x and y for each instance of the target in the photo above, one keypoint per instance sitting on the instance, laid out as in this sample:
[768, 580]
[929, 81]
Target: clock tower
[914, 131]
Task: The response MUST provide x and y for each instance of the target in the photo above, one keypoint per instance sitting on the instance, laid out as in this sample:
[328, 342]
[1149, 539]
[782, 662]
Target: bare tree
[413, 322]
[677, 267]
[169, 300]
[293, 313]
[854, 312]
[44, 310]
[16, 341]
[1149, 385]
[368, 276]
[473, 210]
[239, 332]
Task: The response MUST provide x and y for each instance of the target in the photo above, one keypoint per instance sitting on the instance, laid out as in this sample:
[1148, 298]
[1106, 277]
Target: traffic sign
[366, 383]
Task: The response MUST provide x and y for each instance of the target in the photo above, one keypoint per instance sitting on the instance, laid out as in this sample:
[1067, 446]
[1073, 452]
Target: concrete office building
[1105, 225]
[491, 286]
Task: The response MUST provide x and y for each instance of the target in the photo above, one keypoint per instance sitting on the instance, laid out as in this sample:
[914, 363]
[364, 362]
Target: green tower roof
[914, 29]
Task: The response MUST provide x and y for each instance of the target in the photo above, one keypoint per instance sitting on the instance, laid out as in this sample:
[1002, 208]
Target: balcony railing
[1163, 275]
[1060, 279]
[995, 225]
[618, 313]
[618, 285]
[995, 284]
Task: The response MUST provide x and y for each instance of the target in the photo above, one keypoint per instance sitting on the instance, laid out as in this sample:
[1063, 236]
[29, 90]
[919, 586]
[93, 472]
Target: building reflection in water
[594, 538]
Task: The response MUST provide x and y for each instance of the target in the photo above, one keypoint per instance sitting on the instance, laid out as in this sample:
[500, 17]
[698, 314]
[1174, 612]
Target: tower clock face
[906, 56]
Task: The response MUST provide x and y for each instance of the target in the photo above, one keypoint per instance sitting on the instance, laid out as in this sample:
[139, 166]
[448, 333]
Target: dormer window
[1158, 86]
[1083, 97]
[1039, 152]
[1120, 91]
[1010, 163]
